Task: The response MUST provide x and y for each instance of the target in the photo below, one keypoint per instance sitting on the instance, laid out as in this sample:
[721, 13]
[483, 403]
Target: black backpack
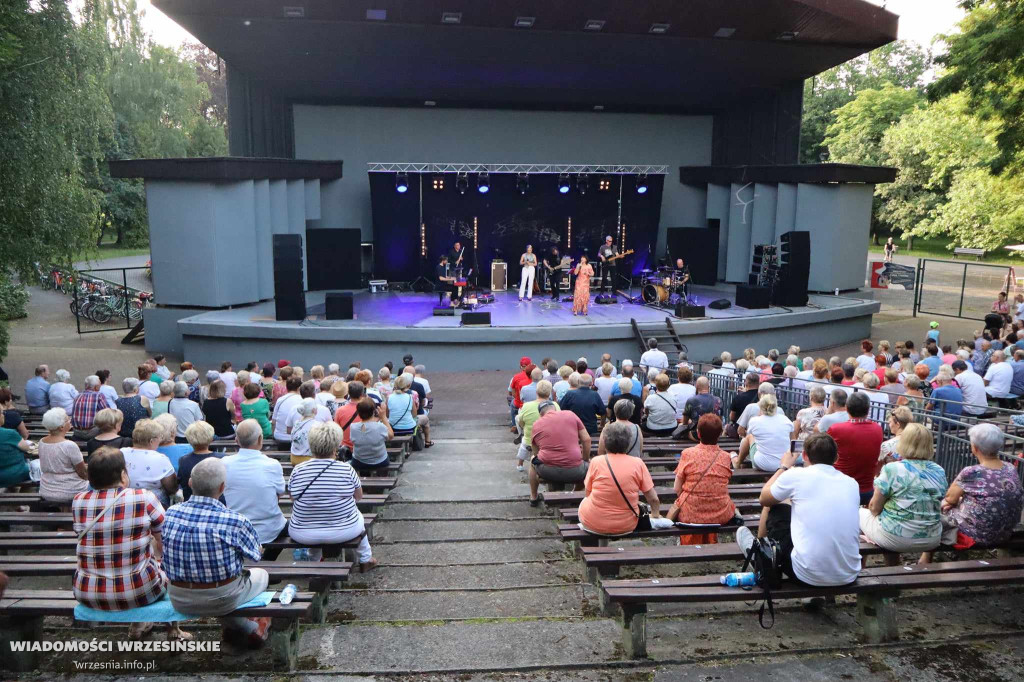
[763, 559]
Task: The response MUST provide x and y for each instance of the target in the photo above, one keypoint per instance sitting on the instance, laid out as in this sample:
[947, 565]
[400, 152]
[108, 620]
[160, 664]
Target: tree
[901, 63]
[982, 211]
[212, 71]
[856, 135]
[931, 146]
[985, 61]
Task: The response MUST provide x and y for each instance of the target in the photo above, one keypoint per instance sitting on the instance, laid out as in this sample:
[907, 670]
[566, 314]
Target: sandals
[179, 635]
[429, 444]
[368, 566]
[139, 631]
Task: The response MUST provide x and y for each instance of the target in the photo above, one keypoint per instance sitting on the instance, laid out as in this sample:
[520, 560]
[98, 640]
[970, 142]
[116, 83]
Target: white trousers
[526, 281]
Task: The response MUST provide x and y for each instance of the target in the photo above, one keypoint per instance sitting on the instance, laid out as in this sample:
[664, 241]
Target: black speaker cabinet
[752, 298]
[476, 318]
[683, 310]
[290, 307]
[340, 305]
[720, 304]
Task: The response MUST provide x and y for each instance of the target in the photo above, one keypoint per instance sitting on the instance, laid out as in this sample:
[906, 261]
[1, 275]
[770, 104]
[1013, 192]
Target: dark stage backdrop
[506, 221]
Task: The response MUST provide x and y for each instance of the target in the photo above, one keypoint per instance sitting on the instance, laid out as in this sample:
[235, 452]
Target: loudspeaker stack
[794, 269]
[289, 294]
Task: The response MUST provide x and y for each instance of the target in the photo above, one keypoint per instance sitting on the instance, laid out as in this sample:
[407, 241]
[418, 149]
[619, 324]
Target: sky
[920, 20]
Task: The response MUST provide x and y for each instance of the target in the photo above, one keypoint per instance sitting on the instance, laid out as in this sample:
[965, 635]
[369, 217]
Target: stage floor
[409, 309]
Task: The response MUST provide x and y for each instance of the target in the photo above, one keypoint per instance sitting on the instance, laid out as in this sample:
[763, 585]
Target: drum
[667, 282]
[654, 293]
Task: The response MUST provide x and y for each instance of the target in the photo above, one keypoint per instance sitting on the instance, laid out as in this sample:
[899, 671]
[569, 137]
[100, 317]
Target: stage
[388, 325]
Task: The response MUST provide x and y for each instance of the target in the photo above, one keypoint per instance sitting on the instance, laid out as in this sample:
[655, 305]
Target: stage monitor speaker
[290, 307]
[340, 305]
[698, 246]
[482, 319]
[499, 276]
[444, 311]
[752, 298]
[720, 304]
[683, 310]
[334, 259]
[289, 293]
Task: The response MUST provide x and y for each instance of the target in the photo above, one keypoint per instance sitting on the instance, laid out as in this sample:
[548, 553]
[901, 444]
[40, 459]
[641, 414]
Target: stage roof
[400, 52]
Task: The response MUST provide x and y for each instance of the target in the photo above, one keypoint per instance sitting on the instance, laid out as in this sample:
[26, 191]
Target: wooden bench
[749, 504]
[558, 500]
[962, 251]
[22, 613]
[876, 590]
[572, 532]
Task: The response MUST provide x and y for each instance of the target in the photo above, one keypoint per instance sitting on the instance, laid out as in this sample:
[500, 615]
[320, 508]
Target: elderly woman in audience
[199, 436]
[266, 381]
[218, 410]
[324, 397]
[401, 406]
[174, 451]
[316, 374]
[305, 412]
[767, 438]
[324, 495]
[238, 394]
[808, 418]
[119, 551]
[660, 408]
[370, 436]
[897, 421]
[623, 413]
[385, 384]
[913, 397]
[147, 467]
[904, 512]
[702, 481]
[281, 386]
[562, 384]
[60, 460]
[984, 502]
[191, 379]
[159, 405]
[605, 510]
[132, 405]
[13, 466]
[12, 417]
[255, 406]
[62, 392]
[184, 410]
[109, 423]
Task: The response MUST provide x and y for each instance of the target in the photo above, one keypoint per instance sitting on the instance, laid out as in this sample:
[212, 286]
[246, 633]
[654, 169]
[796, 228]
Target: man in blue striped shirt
[205, 545]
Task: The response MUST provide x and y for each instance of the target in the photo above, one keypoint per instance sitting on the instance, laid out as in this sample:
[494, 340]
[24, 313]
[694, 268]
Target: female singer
[529, 262]
[581, 297]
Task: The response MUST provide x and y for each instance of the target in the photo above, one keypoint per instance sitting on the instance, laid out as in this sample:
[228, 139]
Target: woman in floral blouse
[984, 503]
[808, 418]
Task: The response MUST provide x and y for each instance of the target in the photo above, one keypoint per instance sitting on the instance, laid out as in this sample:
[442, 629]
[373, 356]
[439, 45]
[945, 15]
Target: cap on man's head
[524, 361]
[281, 364]
[933, 324]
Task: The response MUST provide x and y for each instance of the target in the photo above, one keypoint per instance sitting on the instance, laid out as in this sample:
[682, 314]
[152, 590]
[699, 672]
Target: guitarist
[609, 264]
[553, 263]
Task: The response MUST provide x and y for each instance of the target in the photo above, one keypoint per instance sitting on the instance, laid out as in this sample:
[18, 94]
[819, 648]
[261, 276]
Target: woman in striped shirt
[324, 494]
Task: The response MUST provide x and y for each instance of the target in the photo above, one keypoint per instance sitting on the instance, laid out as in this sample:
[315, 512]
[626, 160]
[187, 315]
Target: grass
[111, 250]
[936, 248]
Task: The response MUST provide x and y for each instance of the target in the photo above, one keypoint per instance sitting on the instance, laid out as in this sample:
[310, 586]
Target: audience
[700, 404]
[623, 413]
[84, 408]
[702, 479]
[859, 441]
[527, 417]
[199, 436]
[132, 405]
[370, 437]
[61, 393]
[37, 391]
[254, 482]
[586, 404]
[682, 390]
[401, 407]
[169, 446]
[807, 419]
[767, 438]
[625, 385]
[12, 417]
[897, 422]
[148, 388]
[561, 449]
[184, 410]
[63, 472]
[109, 422]
[324, 495]
[147, 467]
[159, 406]
[613, 483]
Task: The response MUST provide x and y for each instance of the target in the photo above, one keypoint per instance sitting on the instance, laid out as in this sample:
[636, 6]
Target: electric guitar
[565, 264]
[616, 257]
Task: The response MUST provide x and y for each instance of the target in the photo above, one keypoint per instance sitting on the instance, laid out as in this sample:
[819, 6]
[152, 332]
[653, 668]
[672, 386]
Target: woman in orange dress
[702, 482]
[581, 297]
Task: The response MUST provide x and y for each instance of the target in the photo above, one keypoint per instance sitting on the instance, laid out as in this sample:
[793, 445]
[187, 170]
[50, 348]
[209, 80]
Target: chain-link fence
[959, 289]
[110, 298]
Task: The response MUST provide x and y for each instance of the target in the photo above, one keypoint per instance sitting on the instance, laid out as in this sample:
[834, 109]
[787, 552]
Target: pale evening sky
[920, 20]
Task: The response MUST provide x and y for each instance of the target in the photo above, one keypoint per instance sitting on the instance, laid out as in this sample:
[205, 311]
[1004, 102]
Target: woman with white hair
[324, 495]
[62, 392]
[983, 504]
[767, 438]
[184, 409]
[305, 411]
[606, 382]
[109, 422]
[402, 407]
[199, 436]
[147, 468]
[132, 405]
[195, 387]
[63, 468]
[808, 418]
[204, 391]
[173, 451]
[384, 384]
[562, 385]
[159, 406]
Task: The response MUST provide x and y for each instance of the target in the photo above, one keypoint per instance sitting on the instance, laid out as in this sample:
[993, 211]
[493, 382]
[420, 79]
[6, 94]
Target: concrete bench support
[284, 643]
[876, 613]
[634, 630]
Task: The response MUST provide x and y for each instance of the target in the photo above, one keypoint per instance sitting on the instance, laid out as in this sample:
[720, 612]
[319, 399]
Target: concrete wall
[362, 135]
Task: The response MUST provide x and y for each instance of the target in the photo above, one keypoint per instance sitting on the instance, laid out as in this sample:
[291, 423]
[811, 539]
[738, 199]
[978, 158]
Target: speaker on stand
[289, 293]
[794, 269]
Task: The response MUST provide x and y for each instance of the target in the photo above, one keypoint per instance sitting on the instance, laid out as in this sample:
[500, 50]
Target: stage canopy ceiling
[402, 52]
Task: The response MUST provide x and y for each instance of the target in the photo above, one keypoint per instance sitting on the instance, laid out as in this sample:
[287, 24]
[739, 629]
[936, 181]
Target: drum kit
[661, 287]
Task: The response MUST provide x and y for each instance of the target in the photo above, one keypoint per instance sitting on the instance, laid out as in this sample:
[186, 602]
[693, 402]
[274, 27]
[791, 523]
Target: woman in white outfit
[529, 262]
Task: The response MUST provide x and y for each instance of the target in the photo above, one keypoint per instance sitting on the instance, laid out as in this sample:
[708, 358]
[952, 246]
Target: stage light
[604, 184]
[641, 184]
[568, 232]
[402, 183]
[563, 183]
[582, 183]
[483, 183]
[437, 183]
[523, 183]
[462, 183]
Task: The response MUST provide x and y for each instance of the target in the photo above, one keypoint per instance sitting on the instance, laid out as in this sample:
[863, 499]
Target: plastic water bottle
[738, 579]
[837, 291]
[301, 554]
[287, 594]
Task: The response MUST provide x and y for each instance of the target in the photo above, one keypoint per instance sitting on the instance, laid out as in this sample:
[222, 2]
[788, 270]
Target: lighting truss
[536, 168]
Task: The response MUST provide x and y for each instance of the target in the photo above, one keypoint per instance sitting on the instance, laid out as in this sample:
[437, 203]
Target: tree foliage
[856, 135]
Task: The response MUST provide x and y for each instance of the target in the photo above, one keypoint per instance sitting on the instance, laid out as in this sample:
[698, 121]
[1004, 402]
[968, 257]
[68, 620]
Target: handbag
[763, 559]
[642, 511]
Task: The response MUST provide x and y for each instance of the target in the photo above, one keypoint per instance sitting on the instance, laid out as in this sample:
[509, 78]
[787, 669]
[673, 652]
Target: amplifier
[481, 319]
[683, 310]
[444, 311]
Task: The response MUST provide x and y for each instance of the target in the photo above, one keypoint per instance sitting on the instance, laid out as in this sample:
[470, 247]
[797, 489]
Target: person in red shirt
[561, 449]
[521, 378]
[346, 415]
[860, 442]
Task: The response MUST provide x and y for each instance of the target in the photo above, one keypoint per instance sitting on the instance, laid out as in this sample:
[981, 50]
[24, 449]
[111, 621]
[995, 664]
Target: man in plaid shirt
[205, 545]
[85, 407]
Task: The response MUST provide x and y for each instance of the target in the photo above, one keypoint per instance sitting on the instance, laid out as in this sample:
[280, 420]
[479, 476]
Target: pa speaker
[720, 304]
[340, 305]
[752, 298]
[289, 296]
[683, 310]
[290, 307]
[476, 318]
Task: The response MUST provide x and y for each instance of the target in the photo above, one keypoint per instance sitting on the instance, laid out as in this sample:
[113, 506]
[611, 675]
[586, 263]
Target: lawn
[936, 248]
[110, 250]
